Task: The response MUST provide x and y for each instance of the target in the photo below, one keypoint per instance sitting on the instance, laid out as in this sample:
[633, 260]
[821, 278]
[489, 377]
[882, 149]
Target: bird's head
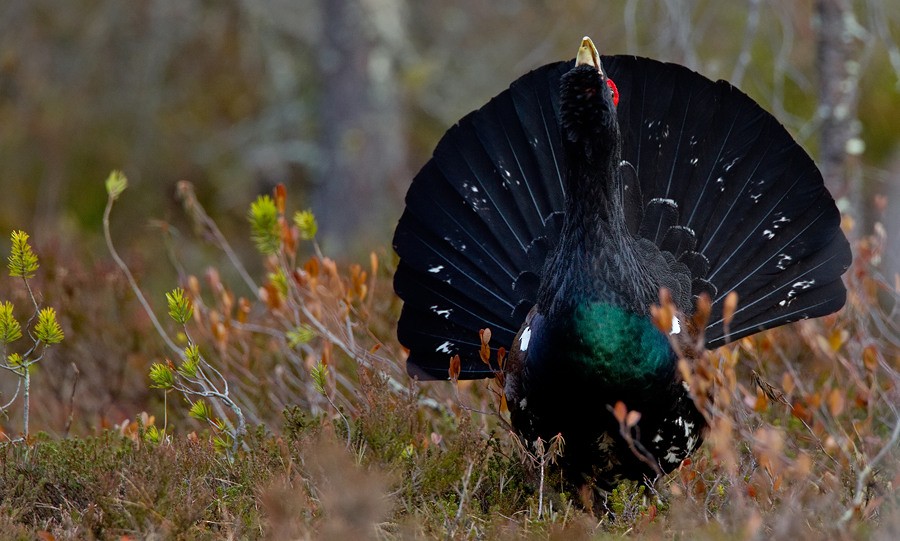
[588, 100]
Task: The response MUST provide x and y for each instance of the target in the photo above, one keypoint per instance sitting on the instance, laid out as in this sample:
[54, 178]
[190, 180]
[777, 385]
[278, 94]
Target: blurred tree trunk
[360, 121]
[837, 64]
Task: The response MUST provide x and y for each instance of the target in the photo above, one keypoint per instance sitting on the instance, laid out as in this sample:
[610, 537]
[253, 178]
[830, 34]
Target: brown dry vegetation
[803, 441]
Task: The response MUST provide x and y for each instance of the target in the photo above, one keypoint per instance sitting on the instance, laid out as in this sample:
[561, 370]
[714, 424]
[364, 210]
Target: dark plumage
[554, 217]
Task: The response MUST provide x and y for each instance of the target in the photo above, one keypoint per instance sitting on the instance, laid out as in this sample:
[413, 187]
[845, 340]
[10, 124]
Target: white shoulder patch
[676, 325]
[526, 338]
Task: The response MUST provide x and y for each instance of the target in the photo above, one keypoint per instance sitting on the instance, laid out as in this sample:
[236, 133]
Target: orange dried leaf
[731, 302]
[501, 357]
[787, 383]
[837, 338]
[280, 197]
[193, 286]
[662, 316]
[665, 297]
[836, 402]
[800, 411]
[485, 351]
[631, 420]
[485, 335]
[870, 358]
[802, 465]
[243, 310]
[814, 400]
[373, 263]
[684, 368]
[620, 412]
[762, 401]
[312, 267]
[455, 368]
[702, 309]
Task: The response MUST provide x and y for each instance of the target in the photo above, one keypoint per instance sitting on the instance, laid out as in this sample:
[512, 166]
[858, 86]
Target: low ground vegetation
[285, 412]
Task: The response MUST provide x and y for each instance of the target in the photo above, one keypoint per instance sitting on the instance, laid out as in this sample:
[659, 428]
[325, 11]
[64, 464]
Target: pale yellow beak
[587, 54]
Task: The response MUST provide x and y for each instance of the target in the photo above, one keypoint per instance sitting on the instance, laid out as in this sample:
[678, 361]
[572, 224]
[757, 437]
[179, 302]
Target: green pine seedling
[180, 307]
[300, 335]
[10, 329]
[116, 183]
[161, 376]
[306, 223]
[264, 228]
[47, 329]
[200, 410]
[23, 263]
[191, 362]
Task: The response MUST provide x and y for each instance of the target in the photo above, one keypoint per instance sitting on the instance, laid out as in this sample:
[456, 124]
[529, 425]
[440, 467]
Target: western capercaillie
[555, 214]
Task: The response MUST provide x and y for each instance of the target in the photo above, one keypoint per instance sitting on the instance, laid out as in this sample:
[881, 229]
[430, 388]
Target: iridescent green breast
[618, 347]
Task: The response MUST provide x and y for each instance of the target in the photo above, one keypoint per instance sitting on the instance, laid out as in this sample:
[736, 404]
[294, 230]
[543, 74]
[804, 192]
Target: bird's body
[555, 216]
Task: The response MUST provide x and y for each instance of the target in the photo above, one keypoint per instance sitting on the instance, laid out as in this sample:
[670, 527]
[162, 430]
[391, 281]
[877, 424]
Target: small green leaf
[161, 376]
[153, 434]
[47, 329]
[180, 307]
[191, 361]
[319, 374]
[10, 330]
[409, 451]
[116, 183]
[222, 443]
[306, 223]
[301, 335]
[264, 225]
[14, 360]
[200, 410]
[22, 261]
[279, 280]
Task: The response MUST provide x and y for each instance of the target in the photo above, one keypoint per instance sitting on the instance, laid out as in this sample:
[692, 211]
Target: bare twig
[71, 401]
[863, 478]
[135, 288]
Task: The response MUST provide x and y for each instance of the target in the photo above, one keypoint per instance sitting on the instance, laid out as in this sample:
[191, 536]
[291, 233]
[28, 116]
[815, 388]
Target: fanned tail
[480, 217]
[729, 192]
[708, 176]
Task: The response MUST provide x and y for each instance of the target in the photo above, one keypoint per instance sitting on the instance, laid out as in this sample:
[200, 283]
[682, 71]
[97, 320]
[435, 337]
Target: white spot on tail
[783, 261]
[436, 269]
[769, 234]
[671, 457]
[676, 325]
[444, 348]
[665, 201]
[444, 313]
[526, 339]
